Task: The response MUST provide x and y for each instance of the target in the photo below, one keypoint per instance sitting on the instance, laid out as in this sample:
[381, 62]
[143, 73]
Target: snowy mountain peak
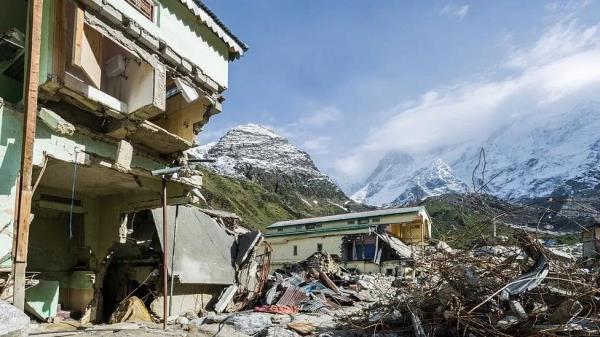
[256, 130]
[255, 152]
[399, 180]
[547, 153]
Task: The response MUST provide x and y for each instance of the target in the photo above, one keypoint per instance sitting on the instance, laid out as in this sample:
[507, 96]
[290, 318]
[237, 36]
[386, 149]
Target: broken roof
[210, 19]
[347, 216]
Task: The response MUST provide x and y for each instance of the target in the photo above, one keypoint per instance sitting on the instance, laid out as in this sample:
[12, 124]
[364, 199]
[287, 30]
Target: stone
[302, 328]
[507, 322]
[281, 319]
[278, 332]
[13, 322]
[250, 323]
[213, 317]
[182, 320]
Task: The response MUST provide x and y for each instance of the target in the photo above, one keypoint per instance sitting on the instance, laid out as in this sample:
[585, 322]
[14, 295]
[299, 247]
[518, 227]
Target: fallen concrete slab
[13, 322]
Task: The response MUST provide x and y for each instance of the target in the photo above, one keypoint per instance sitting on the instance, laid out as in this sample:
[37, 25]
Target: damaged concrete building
[124, 88]
[380, 241]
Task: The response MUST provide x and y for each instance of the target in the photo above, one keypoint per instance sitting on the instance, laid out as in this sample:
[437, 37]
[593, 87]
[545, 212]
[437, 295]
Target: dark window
[363, 221]
[375, 219]
[280, 229]
[319, 247]
[146, 7]
[310, 226]
[295, 250]
[299, 227]
[318, 225]
[351, 222]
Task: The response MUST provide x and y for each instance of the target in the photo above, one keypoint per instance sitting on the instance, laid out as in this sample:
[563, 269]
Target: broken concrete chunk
[186, 67]
[226, 298]
[148, 40]
[55, 122]
[124, 157]
[112, 14]
[13, 322]
[278, 332]
[566, 311]
[250, 323]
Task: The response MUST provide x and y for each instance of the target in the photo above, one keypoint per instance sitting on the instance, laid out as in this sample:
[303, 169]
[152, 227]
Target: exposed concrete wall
[180, 29]
[65, 148]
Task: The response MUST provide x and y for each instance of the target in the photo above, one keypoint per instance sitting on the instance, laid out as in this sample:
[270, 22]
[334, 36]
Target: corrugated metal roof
[292, 296]
[347, 216]
[210, 19]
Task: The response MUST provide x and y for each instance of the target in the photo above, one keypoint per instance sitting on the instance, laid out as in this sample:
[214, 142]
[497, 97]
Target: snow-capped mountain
[538, 156]
[257, 153]
[398, 180]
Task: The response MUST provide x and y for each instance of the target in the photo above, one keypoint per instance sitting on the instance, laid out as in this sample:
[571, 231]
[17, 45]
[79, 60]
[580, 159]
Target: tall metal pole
[173, 260]
[165, 252]
[32, 74]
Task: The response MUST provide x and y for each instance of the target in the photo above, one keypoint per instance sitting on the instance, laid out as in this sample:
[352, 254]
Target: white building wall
[182, 31]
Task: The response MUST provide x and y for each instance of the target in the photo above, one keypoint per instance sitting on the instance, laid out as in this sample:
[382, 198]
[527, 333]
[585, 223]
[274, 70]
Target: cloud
[321, 117]
[564, 38]
[454, 11]
[317, 145]
[560, 69]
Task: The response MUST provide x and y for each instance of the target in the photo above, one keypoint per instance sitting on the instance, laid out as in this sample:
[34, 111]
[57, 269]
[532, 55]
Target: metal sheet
[398, 246]
[204, 252]
[247, 242]
[292, 296]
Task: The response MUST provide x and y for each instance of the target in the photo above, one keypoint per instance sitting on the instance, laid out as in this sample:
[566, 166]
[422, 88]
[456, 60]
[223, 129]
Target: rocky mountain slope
[254, 154]
[544, 155]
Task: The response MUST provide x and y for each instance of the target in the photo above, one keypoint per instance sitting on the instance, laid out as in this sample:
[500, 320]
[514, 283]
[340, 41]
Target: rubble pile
[494, 290]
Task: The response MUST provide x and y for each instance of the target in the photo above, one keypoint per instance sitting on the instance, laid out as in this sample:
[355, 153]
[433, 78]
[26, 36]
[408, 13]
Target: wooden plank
[60, 32]
[32, 76]
[87, 49]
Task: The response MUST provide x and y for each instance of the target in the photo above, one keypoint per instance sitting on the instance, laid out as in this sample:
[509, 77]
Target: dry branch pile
[524, 291]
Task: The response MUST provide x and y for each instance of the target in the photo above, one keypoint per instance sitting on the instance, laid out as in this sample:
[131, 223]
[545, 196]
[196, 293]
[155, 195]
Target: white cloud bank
[454, 11]
[558, 71]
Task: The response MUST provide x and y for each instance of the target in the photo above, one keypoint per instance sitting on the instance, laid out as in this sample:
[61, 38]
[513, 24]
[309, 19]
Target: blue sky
[349, 80]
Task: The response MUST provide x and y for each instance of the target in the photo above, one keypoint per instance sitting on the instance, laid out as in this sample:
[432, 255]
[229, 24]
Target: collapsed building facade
[124, 88]
[380, 241]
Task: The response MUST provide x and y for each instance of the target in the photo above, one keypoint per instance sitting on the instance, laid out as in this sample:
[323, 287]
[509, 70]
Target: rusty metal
[292, 296]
